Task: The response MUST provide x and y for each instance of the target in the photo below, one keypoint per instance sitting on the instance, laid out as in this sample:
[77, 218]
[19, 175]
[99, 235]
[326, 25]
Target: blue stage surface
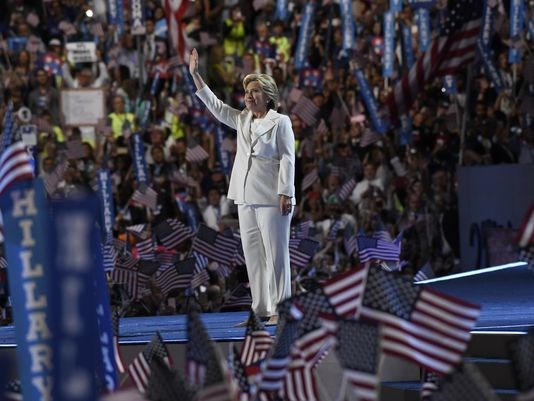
[506, 294]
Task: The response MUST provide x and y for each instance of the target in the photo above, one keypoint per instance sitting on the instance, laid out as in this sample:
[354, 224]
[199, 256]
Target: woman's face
[255, 99]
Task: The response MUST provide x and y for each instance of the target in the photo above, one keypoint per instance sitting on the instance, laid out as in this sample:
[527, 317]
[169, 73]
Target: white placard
[82, 106]
[28, 133]
[81, 52]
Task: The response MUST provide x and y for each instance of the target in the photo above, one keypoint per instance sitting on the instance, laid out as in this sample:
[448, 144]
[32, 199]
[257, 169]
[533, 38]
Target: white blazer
[264, 165]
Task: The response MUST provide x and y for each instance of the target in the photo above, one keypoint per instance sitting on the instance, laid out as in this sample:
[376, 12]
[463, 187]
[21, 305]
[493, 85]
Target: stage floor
[506, 294]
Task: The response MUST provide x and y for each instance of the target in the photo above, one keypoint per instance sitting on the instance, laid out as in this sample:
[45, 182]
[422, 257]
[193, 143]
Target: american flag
[199, 350]
[449, 52]
[257, 342]
[430, 385]
[52, 180]
[521, 353]
[302, 229]
[239, 299]
[345, 291]
[177, 277]
[125, 260]
[166, 258]
[332, 234]
[115, 320]
[200, 278]
[145, 249]
[420, 324]
[166, 384]
[240, 377]
[109, 255]
[139, 370]
[216, 385]
[13, 391]
[300, 383]
[9, 126]
[201, 261]
[301, 251]
[128, 394]
[126, 277]
[75, 149]
[172, 233]
[368, 137]
[196, 154]
[3, 263]
[214, 245]
[273, 371]
[137, 229]
[467, 383]
[377, 249]
[148, 197]
[316, 314]
[174, 13]
[526, 232]
[425, 273]
[346, 189]
[15, 165]
[306, 110]
[148, 267]
[358, 353]
[239, 257]
[309, 179]
[350, 241]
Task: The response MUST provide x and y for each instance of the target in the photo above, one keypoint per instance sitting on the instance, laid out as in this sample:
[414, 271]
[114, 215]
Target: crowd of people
[395, 185]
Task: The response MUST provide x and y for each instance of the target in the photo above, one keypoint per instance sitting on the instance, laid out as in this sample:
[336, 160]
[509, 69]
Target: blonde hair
[267, 85]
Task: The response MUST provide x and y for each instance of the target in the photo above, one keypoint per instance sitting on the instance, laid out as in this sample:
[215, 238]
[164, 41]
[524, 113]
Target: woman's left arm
[286, 154]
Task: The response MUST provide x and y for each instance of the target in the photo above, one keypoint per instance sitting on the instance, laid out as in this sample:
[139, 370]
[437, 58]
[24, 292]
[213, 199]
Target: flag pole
[466, 111]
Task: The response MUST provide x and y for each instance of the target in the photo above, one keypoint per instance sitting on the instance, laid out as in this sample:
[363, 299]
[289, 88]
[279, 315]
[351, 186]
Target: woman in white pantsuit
[261, 184]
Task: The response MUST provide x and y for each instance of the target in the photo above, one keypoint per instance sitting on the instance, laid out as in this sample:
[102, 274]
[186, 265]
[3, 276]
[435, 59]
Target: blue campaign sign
[305, 33]
[347, 25]
[423, 28]
[27, 249]
[449, 84]
[389, 45]
[517, 20]
[370, 103]
[73, 249]
[421, 3]
[281, 10]
[395, 6]
[139, 161]
[107, 207]
[407, 46]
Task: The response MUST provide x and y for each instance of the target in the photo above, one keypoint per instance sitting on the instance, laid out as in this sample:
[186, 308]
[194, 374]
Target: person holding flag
[261, 184]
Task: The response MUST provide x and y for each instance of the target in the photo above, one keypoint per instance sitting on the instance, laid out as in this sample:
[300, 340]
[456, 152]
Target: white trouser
[265, 238]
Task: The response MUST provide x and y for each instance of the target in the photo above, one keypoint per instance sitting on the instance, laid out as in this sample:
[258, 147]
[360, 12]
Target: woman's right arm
[222, 112]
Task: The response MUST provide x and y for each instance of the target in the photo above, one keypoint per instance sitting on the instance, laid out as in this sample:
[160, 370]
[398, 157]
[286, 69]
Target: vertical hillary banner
[155, 84]
[388, 59]
[138, 154]
[26, 230]
[188, 210]
[189, 86]
[77, 337]
[305, 34]
[405, 130]
[490, 69]
[395, 6]
[347, 24]
[223, 155]
[487, 27]
[423, 28]
[107, 207]
[281, 10]
[369, 100]
[116, 14]
[137, 20]
[517, 20]
[484, 47]
[407, 46]
[107, 368]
